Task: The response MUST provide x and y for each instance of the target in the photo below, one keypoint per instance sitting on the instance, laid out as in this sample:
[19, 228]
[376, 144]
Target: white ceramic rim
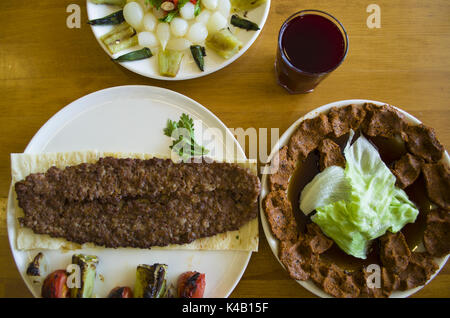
[274, 243]
[65, 114]
[187, 77]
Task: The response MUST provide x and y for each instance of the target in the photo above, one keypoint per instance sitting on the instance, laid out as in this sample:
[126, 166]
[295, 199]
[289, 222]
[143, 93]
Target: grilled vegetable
[113, 2]
[243, 23]
[246, 5]
[121, 292]
[88, 269]
[184, 144]
[54, 285]
[191, 285]
[224, 43]
[36, 268]
[169, 62]
[150, 281]
[141, 54]
[198, 52]
[120, 38]
[112, 19]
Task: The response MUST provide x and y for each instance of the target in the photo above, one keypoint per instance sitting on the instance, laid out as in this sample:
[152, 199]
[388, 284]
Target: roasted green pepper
[243, 23]
[198, 52]
[141, 54]
[151, 281]
[88, 270]
[112, 19]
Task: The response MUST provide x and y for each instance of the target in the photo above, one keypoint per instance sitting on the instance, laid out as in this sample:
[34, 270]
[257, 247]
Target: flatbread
[244, 239]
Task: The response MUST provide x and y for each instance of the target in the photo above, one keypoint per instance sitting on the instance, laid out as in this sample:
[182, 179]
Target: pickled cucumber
[113, 2]
[120, 38]
[224, 43]
[169, 62]
[246, 5]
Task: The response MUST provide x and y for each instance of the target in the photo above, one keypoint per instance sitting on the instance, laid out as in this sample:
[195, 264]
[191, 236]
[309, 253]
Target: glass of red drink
[311, 44]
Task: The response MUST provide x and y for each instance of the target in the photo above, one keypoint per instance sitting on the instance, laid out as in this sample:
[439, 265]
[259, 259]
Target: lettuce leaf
[375, 205]
[329, 186]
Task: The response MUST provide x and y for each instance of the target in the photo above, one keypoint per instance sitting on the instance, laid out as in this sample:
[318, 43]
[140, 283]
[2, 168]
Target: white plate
[188, 70]
[131, 119]
[274, 243]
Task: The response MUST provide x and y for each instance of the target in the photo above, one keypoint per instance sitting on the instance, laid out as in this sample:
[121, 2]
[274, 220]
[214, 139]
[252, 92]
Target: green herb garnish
[182, 133]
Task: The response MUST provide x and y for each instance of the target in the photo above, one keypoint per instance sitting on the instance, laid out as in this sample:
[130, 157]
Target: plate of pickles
[176, 39]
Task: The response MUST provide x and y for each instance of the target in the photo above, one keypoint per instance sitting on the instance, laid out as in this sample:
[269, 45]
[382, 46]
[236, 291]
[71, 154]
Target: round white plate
[274, 243]
[131, 119]
[188, 69]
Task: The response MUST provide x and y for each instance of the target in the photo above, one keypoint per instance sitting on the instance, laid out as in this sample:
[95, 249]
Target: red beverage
[311, 44]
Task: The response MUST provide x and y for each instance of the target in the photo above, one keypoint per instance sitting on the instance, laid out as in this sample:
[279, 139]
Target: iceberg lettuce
[373, 206]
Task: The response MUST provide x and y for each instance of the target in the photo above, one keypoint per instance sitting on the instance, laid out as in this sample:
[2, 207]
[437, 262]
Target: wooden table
[44, 66]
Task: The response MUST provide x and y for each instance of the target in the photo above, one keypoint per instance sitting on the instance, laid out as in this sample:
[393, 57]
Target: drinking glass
[311, 44]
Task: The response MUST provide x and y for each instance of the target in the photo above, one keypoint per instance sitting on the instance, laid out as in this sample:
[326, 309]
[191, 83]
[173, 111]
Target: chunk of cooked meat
[280, 216]
[394, 252]
[383, 121]
[419, 270]
[406, 170]
[436, 237]
[437, 182]
[296, 263]
[308, 136]
[422, 142]
[330, 154]
[342, 119]
[279, 180]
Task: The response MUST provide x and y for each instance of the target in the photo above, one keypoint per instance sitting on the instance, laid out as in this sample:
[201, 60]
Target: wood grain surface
[44, 66]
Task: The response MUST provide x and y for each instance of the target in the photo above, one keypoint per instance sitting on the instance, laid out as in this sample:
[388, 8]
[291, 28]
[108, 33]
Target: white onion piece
[203, 17]
[133, 14]
[188, 11]
[149, 22]
[224, 7]
[143, 3]
[163, 34]
[179, 27]
[216, 22]
[147, 39]
[197, 33]
[178, 44]
[210, 4]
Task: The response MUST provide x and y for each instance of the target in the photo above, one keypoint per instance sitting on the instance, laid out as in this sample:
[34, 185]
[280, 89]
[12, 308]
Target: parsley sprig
[172, 14]
[182, 133]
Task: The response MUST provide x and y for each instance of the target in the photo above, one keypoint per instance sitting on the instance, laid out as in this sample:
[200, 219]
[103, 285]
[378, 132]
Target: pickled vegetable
[120, 38]
[144, 53]
[113, 2]
[246, 5]
[243, 23]
[224, 43]
[134, 14]
[169, 62]
[197, 33]
[216, 22]
[54, 285]
[198, 52]
[151, 281]
[88, 270]
[112, 19]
